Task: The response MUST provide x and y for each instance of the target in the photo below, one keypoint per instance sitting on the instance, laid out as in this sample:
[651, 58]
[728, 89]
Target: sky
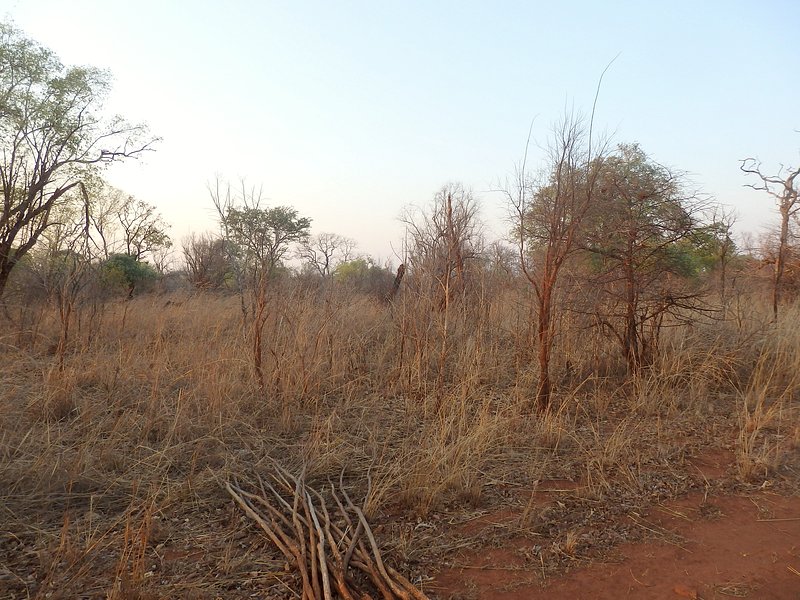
[350, 111]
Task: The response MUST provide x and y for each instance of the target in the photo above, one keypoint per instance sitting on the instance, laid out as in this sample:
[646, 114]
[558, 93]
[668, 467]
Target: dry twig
[324, 553]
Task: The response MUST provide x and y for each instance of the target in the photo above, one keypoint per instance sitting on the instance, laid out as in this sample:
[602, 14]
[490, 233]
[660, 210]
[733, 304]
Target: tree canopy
[645, 238]
[124, 272]
[52, 134]
[261, 237]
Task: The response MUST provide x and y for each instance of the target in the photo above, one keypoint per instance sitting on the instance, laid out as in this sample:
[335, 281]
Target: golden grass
[110, 467]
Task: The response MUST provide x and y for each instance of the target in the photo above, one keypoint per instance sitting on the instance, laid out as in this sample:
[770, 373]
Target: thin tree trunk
[401, 270]
[632, 353]
[443, 350]
[65, 312]
[545, 339]
[259, 320]
[5, 273]
[780, 263]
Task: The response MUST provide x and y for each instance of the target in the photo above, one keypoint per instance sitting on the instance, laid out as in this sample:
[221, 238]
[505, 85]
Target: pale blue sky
[350, 110]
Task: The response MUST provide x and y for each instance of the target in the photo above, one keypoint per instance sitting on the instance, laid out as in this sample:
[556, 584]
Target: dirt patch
[713, 463]
[699, 547]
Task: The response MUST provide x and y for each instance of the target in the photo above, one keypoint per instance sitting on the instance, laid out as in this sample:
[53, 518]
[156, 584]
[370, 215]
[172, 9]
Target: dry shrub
[443, 457]
[767, 408]
[157, 403]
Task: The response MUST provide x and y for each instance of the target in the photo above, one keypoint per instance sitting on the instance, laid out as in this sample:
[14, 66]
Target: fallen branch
[296, 520]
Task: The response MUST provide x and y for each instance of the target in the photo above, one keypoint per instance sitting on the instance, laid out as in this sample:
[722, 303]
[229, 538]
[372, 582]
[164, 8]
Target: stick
[323, 566]
[307, 536]
[257, 518]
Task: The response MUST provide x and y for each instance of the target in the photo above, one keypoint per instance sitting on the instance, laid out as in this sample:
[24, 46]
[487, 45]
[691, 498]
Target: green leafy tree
[257, 239]
[353, 270]
[261, 237]
[52, 132]
[708, 248]
[124, 272]
[644, 238]
[364, 276]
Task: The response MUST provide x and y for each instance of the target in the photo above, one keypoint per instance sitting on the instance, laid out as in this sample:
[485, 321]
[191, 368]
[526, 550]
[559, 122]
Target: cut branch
[304, 532]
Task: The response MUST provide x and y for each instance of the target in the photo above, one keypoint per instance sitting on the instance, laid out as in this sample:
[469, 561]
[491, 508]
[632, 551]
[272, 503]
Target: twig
[257, 518]
[323, 565]
[320, 549]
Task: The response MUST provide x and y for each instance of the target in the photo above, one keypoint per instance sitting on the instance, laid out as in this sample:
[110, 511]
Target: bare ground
[701, 547]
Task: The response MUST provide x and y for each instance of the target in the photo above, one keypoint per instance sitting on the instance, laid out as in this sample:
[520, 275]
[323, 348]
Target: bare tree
[325, 251]
[206, 261]
[783, 187]
[143, 229]
[548, 215]
[63, 265]
[444, 239]
[104, 203]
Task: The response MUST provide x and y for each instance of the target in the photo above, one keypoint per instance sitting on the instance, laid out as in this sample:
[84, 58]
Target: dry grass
[111, 468]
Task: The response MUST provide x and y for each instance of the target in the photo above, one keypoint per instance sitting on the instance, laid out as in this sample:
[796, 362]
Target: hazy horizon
[348, 113]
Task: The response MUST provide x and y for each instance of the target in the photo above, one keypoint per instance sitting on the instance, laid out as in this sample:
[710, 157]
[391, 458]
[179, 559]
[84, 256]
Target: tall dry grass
[156, 404]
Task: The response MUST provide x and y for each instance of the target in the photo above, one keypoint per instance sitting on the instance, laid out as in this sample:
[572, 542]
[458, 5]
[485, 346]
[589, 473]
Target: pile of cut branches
[326, 550]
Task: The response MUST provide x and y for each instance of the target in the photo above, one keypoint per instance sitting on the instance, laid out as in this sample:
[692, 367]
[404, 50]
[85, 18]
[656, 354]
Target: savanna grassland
[598, 401]
[116, 447]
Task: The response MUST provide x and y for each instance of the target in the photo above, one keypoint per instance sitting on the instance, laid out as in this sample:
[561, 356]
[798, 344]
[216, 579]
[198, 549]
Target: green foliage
[51, 134]
[641, 218]
[364, 275]
[123, 272]
[646, 243]
[644, 219]
[353, 270]
[259, 238]
[702, 250]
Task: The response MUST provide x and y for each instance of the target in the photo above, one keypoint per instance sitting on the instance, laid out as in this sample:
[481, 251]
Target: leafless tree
[783, 187]
[444, 239]
[206, 260]
[548, 213]
[142, 228]
[104, 204]
[63, 265]
[325, 251]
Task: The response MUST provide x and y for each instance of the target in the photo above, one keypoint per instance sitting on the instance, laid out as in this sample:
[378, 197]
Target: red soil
[724, 547]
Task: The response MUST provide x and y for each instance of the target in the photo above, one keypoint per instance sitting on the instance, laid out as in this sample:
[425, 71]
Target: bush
[124, 273]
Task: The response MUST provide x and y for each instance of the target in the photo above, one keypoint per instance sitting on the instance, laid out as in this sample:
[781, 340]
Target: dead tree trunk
[785, 192]
[401, 271]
